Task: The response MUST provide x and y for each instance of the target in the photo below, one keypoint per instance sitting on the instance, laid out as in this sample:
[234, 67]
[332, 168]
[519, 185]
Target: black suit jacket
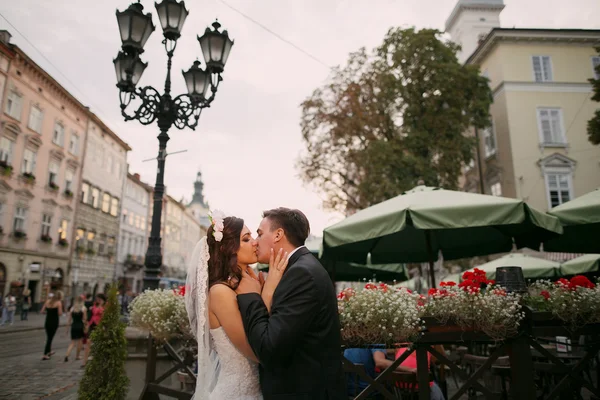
[299, 344]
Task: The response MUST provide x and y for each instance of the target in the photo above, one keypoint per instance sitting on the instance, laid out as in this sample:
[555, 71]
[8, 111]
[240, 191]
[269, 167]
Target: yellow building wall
[577, 109]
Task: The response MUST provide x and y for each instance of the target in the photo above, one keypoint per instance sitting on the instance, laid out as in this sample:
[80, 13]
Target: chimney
[136, 176]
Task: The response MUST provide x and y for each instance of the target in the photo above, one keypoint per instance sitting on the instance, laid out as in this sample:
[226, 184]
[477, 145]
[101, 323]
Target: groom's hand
[248, 285]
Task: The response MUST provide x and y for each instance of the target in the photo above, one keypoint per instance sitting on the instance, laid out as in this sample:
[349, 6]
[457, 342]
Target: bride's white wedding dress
[238, 376]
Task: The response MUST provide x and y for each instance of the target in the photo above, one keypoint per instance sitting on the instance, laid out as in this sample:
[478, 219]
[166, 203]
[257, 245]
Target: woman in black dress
[53, 309]
[76, 325]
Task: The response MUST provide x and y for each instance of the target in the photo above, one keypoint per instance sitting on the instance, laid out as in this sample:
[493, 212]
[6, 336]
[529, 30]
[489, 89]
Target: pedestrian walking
[9, 308]
[97, 312]
[53, 310]
[26, 306]
[76, 325]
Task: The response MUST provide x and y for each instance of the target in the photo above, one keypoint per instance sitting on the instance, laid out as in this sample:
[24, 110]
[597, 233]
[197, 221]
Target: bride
[227, 366]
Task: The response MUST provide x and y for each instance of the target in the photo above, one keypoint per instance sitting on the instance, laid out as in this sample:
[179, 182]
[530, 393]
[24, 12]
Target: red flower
[433, 292]
[180, 290]
[580, 281]
[490, 282]
[448, 284]
[370, 286]
[383, 287]
[563, 281]
[346, 294]
[545, 294]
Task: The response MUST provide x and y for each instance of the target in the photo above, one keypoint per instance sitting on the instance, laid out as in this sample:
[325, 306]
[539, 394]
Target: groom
[298, 345]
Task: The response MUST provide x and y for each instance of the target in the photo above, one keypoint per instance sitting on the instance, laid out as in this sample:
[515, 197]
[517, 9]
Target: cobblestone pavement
[23, 376]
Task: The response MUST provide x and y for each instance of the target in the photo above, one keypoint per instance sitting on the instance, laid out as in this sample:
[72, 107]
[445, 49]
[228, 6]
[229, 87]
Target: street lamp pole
[183, 111]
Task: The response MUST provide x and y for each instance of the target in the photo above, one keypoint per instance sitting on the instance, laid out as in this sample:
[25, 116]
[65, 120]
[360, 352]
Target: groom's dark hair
[293, 222]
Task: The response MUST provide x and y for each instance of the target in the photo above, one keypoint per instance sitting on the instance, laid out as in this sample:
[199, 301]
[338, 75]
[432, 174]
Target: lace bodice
[238, 376]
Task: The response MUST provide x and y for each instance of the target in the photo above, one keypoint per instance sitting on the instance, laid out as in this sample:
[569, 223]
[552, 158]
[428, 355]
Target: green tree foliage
[105, 377]
[391, 118]
[593, 127]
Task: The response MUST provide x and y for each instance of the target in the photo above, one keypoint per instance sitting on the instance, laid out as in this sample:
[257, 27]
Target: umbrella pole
[430, 256]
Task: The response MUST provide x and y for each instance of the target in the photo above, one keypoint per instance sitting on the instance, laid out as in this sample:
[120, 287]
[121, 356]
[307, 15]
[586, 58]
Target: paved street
[23, 376]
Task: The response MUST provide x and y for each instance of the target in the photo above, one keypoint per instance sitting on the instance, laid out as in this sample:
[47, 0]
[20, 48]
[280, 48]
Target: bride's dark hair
[222, 265]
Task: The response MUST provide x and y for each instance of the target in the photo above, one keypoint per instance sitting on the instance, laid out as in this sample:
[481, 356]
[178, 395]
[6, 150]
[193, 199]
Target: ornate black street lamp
[182, 111]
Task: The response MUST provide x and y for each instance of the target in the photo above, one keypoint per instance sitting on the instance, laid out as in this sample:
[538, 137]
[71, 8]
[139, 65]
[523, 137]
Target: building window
[36, 116]
[85, 193]
[28, 166]
[46, 224]
[489, 141]
[79, 238]
[95, 197]
[114, 207]
[542, 68]
[124, 216]
[58, 137]
[558, 187]
[90, 240]
[137, 221]
[14, 105]
[496, 189]
[595, 66]
[143, 223]
[6, 150]
[102, 244]
[131, 217]
[106, 203]
[550, 126]
[69, 174]
[74, 144]
[63, 229]
[20, 217]
[53, 174]
[110, 246]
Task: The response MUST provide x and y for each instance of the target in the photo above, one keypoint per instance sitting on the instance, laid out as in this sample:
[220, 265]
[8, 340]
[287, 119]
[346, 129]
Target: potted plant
[90, 252]
[53, 186]
[63, 242]
[68, 193]
[19, 234]
[29, 177]
[5, 169]
[46, 238]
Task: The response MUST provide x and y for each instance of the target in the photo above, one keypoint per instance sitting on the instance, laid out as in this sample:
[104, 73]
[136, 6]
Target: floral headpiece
[216, 219]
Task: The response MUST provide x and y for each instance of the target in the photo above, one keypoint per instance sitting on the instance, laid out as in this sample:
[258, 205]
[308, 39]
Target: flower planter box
[63, 243]
[53, 187]
[28, 178]
[46, 239]
[68, 194]
[5, 169]
[18, 235]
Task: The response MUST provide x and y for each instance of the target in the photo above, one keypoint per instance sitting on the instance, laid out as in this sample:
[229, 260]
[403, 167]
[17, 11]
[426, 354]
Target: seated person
[364, 357]
[408, 365]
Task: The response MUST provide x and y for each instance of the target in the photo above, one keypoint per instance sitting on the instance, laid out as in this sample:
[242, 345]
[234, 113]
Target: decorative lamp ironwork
[172, 15]
[197, 81]
[215, 48]
[135, 28]
[129, 69]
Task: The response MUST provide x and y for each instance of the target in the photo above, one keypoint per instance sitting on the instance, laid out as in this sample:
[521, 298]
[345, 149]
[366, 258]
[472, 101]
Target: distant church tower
[471, 21]
[198, 206]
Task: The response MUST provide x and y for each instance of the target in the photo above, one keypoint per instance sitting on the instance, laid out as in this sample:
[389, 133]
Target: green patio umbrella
[532, 267]
[354, 272]
[453, 278]
[416, 225]
[581, 222]
[581, 265]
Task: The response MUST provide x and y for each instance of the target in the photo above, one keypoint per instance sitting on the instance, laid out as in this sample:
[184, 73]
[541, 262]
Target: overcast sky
[247, 143]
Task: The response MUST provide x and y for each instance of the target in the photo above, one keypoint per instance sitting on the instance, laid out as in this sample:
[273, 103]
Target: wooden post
[150, 371]
[521, 369]
[423, 373]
